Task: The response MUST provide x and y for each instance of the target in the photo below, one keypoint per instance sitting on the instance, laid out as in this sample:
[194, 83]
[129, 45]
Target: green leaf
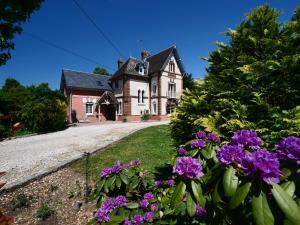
[286, 203]
[286, 222]
[197, 192]
[191, 206]
[178, 194]
[115, 220]
[135, 182]
[261, 211]
[118, 182]
[230, 182]
[216, 196]
[124, 178]
[132, 205]
[91, 222]
[289, 187]
[239, 196]
[100, 185]
[110, 182]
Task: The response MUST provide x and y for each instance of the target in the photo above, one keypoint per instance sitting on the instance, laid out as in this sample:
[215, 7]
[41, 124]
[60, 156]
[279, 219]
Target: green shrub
[19, 201]
[44, 211]
[146, 116]
[252, 82]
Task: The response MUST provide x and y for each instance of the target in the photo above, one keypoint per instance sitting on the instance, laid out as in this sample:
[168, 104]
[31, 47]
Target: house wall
[136, 107]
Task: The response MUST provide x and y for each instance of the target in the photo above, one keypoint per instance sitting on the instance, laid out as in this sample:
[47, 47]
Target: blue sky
[193, 26]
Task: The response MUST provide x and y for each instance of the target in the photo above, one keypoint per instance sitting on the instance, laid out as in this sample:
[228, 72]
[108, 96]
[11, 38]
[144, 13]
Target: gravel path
[27, 158]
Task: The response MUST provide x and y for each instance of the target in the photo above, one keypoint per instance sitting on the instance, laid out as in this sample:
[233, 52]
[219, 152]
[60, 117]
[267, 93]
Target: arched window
[143, 93]
[139, 96]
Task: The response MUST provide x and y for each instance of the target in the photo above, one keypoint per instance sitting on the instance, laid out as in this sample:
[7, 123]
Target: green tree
[101, 71]
[188, 81]
[12, 14]
[252, 82]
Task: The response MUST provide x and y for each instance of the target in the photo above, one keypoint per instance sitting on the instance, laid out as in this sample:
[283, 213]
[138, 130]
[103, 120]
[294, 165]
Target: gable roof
[155, 63]
[82, 80]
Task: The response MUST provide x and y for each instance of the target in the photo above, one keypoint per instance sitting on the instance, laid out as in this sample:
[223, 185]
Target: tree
[101, 71]
[252, 82]
[12, 14]
[188, 81]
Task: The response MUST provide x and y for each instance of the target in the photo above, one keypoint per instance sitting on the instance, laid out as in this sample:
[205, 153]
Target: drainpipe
[70, 105]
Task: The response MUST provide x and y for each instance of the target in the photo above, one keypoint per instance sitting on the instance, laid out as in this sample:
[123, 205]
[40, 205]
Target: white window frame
[86, 108]
[154, 91]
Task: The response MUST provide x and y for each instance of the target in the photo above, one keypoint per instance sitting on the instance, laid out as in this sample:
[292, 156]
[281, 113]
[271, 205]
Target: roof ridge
[96, 74]
[173, 46]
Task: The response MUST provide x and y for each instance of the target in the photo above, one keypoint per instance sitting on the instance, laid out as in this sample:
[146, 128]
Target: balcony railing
[171, 94]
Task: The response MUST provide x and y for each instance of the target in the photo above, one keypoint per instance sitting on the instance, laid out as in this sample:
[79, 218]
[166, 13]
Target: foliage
[39, 108]
[19, 201]
[238, 182]
[101, 71]
[146, 116]
[12, 14]
[251, 82]
[188, 81]
[44, 211]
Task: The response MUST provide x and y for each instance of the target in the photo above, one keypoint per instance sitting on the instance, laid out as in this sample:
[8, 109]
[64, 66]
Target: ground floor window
[170, 109]
[119, 108]
[154, 107]
[89, 108]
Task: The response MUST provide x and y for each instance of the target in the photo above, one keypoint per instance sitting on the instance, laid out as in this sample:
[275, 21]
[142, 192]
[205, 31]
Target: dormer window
[141, 70]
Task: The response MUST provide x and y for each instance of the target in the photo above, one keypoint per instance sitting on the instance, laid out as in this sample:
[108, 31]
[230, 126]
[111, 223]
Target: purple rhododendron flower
[171, 182]
[127, 222]
[200, 212]
[154, 207]
[158, 183]
[265, 163]
[137, 220]
[120, 201]
[188, 167]
[289, 149]
[128, 165]
[143, 203]
[149, 196]
[106, 172]
[200, 135]
[104, 211]
[118, 167]
[213, 137]
[231, 153]
[148, 216]
[136, 162]
[246, 138]
[181, 151]
[198, 144]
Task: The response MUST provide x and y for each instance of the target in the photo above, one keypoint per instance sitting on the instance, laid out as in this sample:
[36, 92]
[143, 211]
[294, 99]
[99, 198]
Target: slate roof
[155, 63]
[82, 80]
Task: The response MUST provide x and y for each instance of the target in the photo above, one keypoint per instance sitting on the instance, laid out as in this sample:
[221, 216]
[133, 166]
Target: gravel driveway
[26, 158]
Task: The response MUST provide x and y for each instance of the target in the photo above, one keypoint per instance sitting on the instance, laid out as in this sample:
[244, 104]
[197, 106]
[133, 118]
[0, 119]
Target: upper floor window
[154, 88]
[143, 96]
[117, 84]
[89, 108]
[139, 96]
[172, 66]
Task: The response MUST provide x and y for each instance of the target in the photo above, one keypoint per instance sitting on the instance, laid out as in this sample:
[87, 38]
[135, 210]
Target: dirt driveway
[26, 158]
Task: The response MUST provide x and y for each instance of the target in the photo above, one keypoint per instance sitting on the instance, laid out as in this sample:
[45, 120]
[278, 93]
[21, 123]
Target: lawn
[152, 145]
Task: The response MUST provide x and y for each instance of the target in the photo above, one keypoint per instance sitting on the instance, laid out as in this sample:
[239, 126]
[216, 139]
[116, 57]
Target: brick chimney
[145, 54]
[120, 63]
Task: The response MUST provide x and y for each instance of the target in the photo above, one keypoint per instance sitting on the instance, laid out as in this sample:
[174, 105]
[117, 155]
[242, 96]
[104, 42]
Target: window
[141, 70]
[154, 107]
[143, 92]
[117, 84]
[172, 66]
[154, 88]
[119, 108]
[139, 96]
[89, 108]
[99, 83]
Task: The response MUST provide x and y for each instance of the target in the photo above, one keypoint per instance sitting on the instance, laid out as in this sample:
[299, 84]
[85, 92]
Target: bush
[250, 82]
[19, 201]
[237, 181]
[146, 116]
[44, 211]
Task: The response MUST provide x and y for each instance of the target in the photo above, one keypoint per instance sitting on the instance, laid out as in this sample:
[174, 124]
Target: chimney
[145, 54]
[120, 63]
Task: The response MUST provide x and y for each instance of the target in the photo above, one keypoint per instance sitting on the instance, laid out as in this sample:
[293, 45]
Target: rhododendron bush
[213, 181]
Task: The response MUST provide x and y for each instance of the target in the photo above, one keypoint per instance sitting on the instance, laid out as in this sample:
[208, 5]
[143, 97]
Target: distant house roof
[155, 63]
[82, 80]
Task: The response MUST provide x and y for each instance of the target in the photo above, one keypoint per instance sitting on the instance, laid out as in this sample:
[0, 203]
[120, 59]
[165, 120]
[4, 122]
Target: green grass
[152, 145]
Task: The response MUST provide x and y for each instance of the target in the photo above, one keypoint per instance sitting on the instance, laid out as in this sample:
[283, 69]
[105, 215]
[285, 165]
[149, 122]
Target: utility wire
[65, 50]
[99, 29]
